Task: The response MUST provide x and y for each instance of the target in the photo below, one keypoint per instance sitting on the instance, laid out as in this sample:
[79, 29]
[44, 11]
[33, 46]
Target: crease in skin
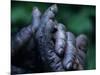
[70, 51]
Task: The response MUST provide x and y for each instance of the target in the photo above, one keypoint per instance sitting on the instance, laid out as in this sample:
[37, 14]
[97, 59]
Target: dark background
[77, 19]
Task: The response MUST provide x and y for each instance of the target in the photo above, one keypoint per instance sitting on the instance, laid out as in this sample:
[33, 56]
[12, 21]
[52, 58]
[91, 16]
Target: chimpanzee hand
[58, 50]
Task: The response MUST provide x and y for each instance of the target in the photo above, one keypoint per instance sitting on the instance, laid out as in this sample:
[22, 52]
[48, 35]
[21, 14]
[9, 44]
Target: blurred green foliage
[77, 19]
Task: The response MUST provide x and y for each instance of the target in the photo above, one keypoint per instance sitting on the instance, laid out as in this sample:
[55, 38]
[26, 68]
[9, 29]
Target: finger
[46, 47]
[49, 26]
[18, 70]
[36, 19]
[20, 39]
[77, 65]
[49, 13]
[70, 51]
[81, 45]
[60, 39]
[81, 42]
[25, 33]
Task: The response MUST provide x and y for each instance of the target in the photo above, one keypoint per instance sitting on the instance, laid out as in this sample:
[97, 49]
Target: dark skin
[33, 48]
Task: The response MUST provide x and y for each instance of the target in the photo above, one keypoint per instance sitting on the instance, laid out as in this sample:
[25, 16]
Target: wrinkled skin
[45, 46]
